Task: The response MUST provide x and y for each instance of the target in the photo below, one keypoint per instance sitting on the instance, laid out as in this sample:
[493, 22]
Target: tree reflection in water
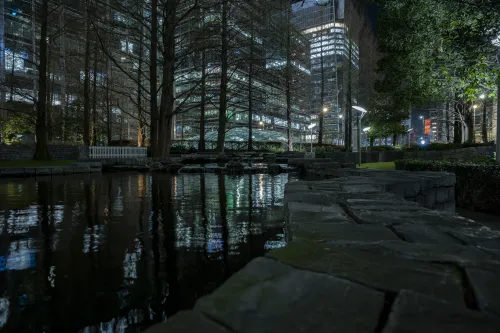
[121, 252]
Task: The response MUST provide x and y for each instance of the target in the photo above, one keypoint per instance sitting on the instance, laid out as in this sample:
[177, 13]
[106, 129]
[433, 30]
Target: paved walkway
[360, 259]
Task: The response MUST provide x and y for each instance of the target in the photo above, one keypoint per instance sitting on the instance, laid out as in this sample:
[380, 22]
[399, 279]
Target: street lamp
[311, 128]
[366, 130]
[409, 136]
[363, 112]
[496, 42]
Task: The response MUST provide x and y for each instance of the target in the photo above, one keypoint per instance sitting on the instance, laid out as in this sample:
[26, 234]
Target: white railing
[118, 152]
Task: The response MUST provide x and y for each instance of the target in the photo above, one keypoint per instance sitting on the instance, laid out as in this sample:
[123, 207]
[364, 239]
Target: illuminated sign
[427, 127]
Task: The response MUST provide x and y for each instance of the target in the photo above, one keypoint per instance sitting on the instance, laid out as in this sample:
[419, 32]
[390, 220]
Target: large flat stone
[382, 270]
[486, 288]
[267, 296]
[187, 322]
[341, 233]
[301, 213]
[383, 205]
[419, 233]
[414, 313]
[423, 216]
[445, 253]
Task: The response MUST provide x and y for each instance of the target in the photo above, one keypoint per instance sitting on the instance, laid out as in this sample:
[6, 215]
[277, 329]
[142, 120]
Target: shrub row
[436, 146]
[478, 185]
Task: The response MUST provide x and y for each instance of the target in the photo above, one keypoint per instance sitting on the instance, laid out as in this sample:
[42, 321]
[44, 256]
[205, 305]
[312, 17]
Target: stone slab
[396, 217]
[427, 234]
[341, 233]
[486, 288]
[435, 253]
[382, 271]
[187, 322]
[414, 313]
[267, 296]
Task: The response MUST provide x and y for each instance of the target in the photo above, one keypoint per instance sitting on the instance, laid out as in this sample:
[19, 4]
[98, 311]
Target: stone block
[12, 172]
[486, 288]
[342, 233]
[379, 270]
[187, 322]
[412, 312]
[443, 195]
[429, 198]
[268, 297]
[349, 165]
[57, 171]
[395, 216]
[296, 161]
[43, 172]
[445, 253]
[415, 233]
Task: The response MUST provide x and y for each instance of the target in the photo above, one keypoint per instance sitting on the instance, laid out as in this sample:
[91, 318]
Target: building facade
[119, 70]
[334, 60]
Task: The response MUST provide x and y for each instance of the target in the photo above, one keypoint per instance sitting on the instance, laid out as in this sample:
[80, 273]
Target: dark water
[118, 253]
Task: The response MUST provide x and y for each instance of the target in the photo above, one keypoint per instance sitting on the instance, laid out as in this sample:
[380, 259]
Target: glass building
[331, 50]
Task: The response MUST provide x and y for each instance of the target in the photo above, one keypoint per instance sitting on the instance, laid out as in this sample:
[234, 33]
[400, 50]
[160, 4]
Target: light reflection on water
[120, 252]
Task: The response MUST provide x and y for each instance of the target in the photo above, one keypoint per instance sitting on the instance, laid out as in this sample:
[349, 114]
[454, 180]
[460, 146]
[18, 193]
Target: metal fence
[118, 152]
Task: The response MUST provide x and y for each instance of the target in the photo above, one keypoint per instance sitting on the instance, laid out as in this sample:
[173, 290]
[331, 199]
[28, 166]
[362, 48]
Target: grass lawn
[31, 163]
[378, 165]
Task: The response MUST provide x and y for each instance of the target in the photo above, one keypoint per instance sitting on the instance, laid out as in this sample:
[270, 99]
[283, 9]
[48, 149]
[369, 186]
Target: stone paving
[360, 259]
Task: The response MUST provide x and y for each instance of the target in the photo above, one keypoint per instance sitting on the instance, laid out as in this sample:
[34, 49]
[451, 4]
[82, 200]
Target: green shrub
[382, 148]
[438, 146]
[478, 184]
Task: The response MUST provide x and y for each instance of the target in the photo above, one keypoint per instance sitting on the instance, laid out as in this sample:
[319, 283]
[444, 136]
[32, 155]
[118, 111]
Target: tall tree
[42, 149]
[223, 75]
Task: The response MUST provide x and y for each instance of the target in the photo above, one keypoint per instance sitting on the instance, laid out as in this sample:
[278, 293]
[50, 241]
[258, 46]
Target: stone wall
[454, 154]
[26, 152]
[359, 259]
[430, 189]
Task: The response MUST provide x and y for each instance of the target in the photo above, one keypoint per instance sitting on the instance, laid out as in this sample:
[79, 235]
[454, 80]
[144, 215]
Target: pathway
[360, 258]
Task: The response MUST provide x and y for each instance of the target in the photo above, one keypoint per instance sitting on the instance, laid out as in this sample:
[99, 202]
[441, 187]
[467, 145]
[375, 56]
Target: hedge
[477, 187]
[438, 146]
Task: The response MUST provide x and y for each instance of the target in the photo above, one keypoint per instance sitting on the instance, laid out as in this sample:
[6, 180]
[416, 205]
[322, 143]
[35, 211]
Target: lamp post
[340, 129]
[366, 130]
[497, 43]
[311, 128]
[409, 136]
[360, 116]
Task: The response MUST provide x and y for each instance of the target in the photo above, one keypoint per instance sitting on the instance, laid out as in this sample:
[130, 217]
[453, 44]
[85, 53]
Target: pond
[120, 252]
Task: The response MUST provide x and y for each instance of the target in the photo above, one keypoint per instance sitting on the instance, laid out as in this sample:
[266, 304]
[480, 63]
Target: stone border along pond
[76, 168]
[360, 258]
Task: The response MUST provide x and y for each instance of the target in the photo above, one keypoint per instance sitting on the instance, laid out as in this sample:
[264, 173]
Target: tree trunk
[288, 79]
[457, 125]
[167, 96]
[153, 52]
[224, 78]
[484, 124]
[50, 96]
[109, 119]
[42, 149]
[322, 93]
[348, 111]
[394, 139]
[469, 124]
[94, 101]
[86, 82]
[140, 121]
[201, 143]
[448, 131]
[250, 95]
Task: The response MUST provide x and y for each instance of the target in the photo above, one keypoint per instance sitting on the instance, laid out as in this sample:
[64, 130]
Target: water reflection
[119, 253]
